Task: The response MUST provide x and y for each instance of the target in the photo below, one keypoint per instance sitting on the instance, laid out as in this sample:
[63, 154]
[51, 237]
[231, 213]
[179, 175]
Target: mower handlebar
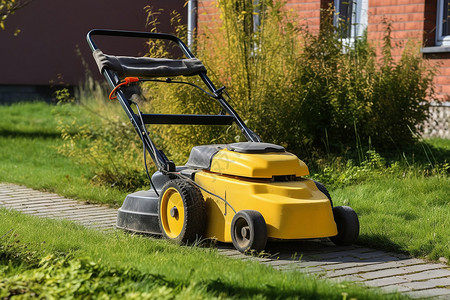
[137, 34]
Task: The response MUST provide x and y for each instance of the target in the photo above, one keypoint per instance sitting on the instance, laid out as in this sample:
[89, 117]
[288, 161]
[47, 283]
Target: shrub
[308, 92]
[301, 90]
[104, 140]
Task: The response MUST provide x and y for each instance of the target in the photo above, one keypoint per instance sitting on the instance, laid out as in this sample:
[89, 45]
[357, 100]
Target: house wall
[52, 41]
[208, 15]
[415, 21]
[411, 20]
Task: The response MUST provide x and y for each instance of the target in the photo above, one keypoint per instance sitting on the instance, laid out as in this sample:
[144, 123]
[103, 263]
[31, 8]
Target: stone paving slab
[320, 258]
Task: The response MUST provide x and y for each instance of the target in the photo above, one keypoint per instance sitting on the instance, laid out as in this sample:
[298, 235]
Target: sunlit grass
[29, 156]
[404, 208]
[193, 272]
[410, 215]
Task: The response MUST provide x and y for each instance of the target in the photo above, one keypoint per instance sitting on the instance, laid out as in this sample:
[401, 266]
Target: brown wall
[44, 52]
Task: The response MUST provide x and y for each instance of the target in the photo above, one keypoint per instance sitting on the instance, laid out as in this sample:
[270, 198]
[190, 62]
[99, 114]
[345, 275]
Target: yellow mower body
[243, 192]
[293, 209]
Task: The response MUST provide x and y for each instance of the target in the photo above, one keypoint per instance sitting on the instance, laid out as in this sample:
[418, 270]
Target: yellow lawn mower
[244, 193]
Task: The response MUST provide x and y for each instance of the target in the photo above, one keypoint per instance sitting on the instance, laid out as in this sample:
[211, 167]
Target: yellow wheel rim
[172, 212]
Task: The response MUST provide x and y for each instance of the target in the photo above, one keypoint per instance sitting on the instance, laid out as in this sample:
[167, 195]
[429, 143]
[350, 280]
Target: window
[343, 17]
[443, 23]
[351, 18]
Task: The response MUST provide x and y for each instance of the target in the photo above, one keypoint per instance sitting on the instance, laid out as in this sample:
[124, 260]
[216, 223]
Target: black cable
[146, 171]
[202, 188]
[145, 152]
[168, 80]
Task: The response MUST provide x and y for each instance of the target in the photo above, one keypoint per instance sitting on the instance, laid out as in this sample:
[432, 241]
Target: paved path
[388, 271]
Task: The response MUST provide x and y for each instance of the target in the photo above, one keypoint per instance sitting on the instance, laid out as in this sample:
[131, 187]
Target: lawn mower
[244, 192]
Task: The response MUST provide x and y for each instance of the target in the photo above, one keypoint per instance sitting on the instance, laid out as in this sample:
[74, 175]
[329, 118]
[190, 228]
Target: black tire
[324, 190]
[249, 231]
[181, 212]
[347, 225]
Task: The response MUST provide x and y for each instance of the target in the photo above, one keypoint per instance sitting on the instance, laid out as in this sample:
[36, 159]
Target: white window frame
[441, 39]
[359, 19]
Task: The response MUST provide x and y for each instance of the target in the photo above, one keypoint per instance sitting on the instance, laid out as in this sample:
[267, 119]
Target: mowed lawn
[407, 213]
[28, 141]
[58, 259]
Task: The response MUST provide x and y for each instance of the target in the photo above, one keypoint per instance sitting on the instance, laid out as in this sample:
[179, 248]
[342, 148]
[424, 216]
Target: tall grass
[103, 140]
[305, 91]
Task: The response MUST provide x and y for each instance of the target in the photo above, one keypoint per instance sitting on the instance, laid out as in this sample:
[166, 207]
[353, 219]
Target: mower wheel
[347, 226]
[324, 190]
[181, 212]
[249, 231]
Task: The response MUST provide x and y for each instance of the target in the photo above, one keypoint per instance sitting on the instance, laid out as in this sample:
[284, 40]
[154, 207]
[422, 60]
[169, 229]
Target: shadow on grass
[379, 241]
[29, 134]
[422, 153]
[218, 287]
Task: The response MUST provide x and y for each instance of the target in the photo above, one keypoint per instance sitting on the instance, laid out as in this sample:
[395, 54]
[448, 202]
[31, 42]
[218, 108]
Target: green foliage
[408, 214]
[81, 278]
[29, 139]
[104, 141]
[63, 96]
[301, 90]
[339, 172]
[91, 264]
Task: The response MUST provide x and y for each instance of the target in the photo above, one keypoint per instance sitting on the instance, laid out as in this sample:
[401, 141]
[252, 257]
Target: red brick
[388, 10]
[291, 2]
[418, 17]
[374, 3]
[303, 6]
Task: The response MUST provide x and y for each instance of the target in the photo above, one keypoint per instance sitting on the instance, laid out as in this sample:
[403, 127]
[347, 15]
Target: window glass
[344, 13]
[351, 19]
[446, 18]
[443, 23]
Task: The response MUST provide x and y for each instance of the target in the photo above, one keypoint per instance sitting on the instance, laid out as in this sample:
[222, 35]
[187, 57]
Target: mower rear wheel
[181, 212]
[249, 231]
[347, 226]
[324, 190]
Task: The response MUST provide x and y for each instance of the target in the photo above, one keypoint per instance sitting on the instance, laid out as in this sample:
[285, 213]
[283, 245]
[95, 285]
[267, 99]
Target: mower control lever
[218, 93]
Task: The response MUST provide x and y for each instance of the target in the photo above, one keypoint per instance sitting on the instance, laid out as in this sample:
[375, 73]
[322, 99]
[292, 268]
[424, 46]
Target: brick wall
[442, 78]
[208, 15]
[405, 16]
[308, 13]
[413, 20]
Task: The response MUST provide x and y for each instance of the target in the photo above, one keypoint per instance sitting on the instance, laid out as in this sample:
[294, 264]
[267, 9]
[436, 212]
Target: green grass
[28, 156]
[88, 263]
[410, 215]
[404, 207]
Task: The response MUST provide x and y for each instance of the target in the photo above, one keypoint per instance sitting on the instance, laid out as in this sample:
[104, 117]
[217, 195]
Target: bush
[301, 90]
[103, 139]
[308, 92]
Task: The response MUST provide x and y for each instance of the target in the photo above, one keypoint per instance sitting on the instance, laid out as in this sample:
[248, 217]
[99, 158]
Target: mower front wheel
[347, 223]
[181, 212]
[249, 231]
